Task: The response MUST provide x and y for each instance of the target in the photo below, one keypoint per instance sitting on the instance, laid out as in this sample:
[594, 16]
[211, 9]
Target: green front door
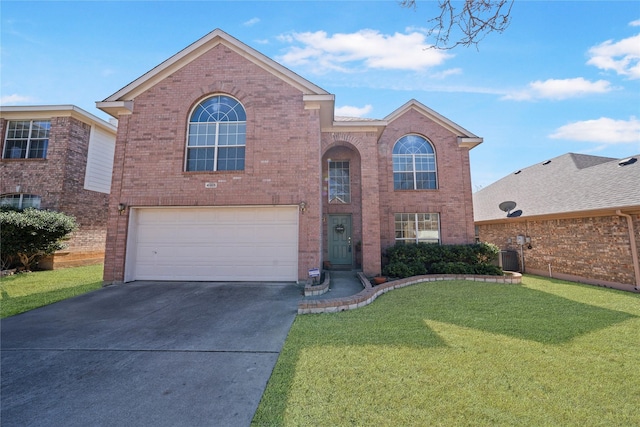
[339, 236]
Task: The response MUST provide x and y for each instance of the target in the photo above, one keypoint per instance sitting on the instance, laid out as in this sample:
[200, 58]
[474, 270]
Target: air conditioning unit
[508, 261]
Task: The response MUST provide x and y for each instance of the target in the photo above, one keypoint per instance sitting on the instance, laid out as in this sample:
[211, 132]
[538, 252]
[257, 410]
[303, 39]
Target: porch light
[303, 206]
[121, 208]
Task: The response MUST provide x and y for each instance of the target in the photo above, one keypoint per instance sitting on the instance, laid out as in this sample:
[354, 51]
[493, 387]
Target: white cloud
[446, 73]
[558, 89]
[623, 56]
[603, 130]
[251, 22]
[362, 49]
[635, 23]
[350, 111]
[15, 99]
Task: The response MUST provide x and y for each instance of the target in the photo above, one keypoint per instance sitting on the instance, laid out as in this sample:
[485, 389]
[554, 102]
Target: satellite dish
[507, 206]
[514, 214]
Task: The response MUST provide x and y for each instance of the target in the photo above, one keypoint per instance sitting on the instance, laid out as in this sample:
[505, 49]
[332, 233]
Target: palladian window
[414, 164]
[217, 133]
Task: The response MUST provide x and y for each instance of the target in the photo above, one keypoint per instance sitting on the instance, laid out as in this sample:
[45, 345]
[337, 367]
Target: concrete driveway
[144, 353]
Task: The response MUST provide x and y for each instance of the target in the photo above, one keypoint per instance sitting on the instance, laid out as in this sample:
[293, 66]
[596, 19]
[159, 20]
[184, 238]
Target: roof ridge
[583, 161]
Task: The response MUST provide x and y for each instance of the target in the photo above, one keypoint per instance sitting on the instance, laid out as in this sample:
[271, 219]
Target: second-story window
[414, 164]
[27, 139]
[217, 134]
[339, 182]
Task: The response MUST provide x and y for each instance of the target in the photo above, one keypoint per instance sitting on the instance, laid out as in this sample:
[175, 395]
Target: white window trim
[415, 221]
[337, 199]
[414, 172]
[29, 138]
[215, 147]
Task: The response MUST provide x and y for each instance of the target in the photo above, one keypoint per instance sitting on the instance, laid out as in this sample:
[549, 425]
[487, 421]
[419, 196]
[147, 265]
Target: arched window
[20, 201]
[217, 133]
[414, 164]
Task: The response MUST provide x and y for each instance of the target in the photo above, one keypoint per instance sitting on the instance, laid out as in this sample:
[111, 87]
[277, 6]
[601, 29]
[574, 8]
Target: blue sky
[564, 77]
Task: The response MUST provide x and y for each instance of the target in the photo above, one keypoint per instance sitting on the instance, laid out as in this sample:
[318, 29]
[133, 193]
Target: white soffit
[35, 112]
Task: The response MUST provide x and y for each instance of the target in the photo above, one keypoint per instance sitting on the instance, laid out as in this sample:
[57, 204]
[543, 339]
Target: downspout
[634, 248]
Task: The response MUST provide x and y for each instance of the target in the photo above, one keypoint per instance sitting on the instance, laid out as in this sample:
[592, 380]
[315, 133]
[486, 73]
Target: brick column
[371, 249]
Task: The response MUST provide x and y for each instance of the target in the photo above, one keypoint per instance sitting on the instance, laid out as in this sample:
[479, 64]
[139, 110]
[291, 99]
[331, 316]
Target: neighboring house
[60, 157]
[578, 218]
[229, 166]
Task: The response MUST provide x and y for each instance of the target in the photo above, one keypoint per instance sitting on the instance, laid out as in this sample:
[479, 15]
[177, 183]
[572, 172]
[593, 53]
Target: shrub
[489, 270]
[32, 233]
[422, 258]
[397, 269]
[454, 267]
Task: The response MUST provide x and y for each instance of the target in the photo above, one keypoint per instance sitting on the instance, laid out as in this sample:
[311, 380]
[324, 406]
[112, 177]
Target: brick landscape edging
[370, 293]
[312, 290]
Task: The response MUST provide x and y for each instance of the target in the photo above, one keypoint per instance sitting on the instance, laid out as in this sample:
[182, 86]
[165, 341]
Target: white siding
[99, 161]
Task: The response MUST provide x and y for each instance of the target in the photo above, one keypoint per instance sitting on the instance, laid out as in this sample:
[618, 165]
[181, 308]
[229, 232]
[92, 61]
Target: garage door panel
[214, 244]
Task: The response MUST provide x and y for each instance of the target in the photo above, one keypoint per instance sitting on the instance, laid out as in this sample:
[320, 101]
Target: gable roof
[570, 183]
[122, 100]
[465, 138]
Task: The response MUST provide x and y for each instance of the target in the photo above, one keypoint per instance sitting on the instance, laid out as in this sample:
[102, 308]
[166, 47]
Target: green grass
[26, 291]
[546, 352]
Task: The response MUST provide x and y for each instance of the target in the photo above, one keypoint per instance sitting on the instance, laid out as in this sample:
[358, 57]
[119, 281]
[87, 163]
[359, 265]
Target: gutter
[634, 248]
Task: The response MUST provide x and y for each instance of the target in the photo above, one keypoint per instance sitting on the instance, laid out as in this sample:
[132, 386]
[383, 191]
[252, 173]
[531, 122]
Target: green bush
[27, 235]
[488, 270]
[428, 258]
[455, 267]
[398, 269]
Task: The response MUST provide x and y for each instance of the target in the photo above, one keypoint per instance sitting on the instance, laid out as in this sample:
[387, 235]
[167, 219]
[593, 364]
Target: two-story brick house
[60, 157]
[229, 166]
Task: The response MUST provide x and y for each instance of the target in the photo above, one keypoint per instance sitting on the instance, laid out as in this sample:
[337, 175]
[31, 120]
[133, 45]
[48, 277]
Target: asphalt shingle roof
[568, 183]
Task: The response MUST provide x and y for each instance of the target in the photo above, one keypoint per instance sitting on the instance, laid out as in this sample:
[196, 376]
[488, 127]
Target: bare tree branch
[466, 23]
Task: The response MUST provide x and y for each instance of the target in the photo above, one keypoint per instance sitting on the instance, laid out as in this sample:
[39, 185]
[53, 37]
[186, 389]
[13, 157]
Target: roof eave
[325, 103]
[633, 210]
[469, 143]
[116, 108]
[374, 126]
[33, 112]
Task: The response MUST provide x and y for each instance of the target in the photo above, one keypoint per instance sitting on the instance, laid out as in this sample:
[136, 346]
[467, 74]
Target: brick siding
[452, 200]
[59, 181]
[590, 249]
[282, 160]
[285, 163]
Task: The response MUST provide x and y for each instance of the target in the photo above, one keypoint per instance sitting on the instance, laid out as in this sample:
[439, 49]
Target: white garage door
[213, 244]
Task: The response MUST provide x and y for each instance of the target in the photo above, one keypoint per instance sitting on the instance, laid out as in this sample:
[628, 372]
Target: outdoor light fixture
[303, 206]
[121, 208]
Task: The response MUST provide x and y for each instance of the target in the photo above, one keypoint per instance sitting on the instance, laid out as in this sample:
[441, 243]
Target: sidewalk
[342, 284]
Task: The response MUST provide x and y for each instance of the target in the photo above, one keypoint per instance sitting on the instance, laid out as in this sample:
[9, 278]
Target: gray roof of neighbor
[568, 183]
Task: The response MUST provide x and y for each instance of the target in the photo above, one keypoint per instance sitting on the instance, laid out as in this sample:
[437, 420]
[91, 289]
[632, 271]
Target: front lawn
[546, 352]
[26, 291]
